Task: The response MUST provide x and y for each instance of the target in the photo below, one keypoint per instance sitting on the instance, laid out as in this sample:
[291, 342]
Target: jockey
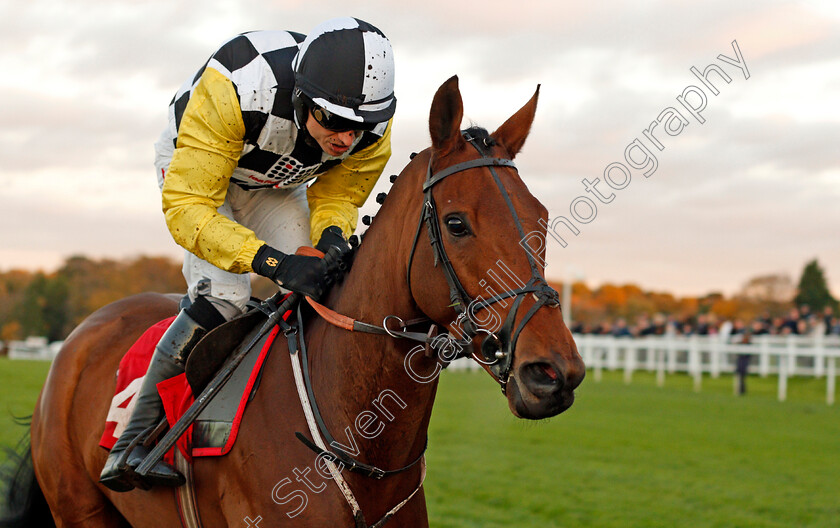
[269, 112]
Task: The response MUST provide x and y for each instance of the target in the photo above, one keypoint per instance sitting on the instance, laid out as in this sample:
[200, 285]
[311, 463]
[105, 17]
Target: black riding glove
[333, 237]
[305, 275]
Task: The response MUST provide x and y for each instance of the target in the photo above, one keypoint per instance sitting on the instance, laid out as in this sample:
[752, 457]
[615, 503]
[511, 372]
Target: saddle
[214, 430]
[222, 358]
[210, 353]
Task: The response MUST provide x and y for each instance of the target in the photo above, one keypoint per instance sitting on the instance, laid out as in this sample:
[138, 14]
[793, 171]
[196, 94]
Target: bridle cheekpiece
[497, 350]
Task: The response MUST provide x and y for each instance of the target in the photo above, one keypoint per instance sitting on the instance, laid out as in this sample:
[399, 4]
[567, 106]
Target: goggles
[336, 123]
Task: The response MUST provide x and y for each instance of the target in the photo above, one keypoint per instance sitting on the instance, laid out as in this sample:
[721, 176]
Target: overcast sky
[752, 190]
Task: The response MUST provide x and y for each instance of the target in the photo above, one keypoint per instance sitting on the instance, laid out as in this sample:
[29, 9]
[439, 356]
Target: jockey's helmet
[344, 76]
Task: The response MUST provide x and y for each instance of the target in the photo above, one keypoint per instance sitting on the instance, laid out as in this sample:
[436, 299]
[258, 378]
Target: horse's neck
[361, 383]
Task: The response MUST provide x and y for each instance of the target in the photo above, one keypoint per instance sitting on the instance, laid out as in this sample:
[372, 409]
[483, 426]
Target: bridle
[497, 349]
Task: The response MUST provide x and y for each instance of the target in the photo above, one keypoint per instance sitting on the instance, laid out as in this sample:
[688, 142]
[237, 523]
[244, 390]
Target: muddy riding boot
[168, 361]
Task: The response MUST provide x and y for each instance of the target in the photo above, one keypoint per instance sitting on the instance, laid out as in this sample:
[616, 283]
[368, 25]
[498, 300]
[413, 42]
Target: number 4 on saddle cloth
[214, 431]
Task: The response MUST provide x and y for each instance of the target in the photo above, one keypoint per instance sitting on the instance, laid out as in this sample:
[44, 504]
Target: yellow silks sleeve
[336, 195]
[209, 144]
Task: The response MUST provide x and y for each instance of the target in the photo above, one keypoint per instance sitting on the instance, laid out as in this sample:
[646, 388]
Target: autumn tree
[773, 288]
[28, 311]
[13, 286]
[53, 304]
[770, 293]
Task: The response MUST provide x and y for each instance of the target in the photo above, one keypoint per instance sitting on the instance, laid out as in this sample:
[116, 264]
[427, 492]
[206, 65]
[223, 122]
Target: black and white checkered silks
[259, 65]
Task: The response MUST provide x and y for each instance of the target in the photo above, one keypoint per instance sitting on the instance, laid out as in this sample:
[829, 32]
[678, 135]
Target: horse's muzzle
[541, 389]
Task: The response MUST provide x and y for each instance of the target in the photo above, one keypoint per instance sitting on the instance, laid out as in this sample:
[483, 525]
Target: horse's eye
[457, 226]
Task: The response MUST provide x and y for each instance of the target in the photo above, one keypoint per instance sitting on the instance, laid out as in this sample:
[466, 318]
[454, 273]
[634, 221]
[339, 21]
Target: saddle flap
[210, 353]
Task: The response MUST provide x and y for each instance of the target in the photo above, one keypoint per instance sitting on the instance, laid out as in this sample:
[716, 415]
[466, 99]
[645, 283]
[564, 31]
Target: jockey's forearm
[201, 230]
[208, 148]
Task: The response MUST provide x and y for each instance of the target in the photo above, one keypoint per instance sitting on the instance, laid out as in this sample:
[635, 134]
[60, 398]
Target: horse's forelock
[482, 138]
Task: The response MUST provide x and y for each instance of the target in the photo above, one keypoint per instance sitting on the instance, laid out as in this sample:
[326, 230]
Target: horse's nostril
[542, 376]
[549, 371]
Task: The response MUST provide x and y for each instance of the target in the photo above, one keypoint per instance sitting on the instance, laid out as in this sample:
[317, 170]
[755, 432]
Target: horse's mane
[482, 138]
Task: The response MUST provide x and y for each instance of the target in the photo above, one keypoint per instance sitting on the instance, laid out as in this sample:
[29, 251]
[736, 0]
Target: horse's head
[490, 285]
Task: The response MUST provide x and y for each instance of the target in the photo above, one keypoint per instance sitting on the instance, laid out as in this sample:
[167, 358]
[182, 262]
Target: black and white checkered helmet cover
[347, 66]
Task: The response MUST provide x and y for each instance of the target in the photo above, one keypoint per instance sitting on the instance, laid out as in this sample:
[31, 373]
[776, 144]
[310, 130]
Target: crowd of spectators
[798, 321]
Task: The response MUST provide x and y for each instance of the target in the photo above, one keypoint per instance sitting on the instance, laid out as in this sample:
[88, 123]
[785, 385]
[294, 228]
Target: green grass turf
[623, 456]
[637, 456]
[20, 384]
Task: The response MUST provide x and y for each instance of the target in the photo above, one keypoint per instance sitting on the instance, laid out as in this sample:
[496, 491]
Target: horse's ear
[445, 117]
[513, 132]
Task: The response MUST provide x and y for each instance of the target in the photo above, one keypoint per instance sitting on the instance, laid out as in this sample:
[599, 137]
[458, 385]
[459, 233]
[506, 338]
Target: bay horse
[374, 393]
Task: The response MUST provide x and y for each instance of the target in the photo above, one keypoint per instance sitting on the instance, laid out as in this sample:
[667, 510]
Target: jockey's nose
[347, 137]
